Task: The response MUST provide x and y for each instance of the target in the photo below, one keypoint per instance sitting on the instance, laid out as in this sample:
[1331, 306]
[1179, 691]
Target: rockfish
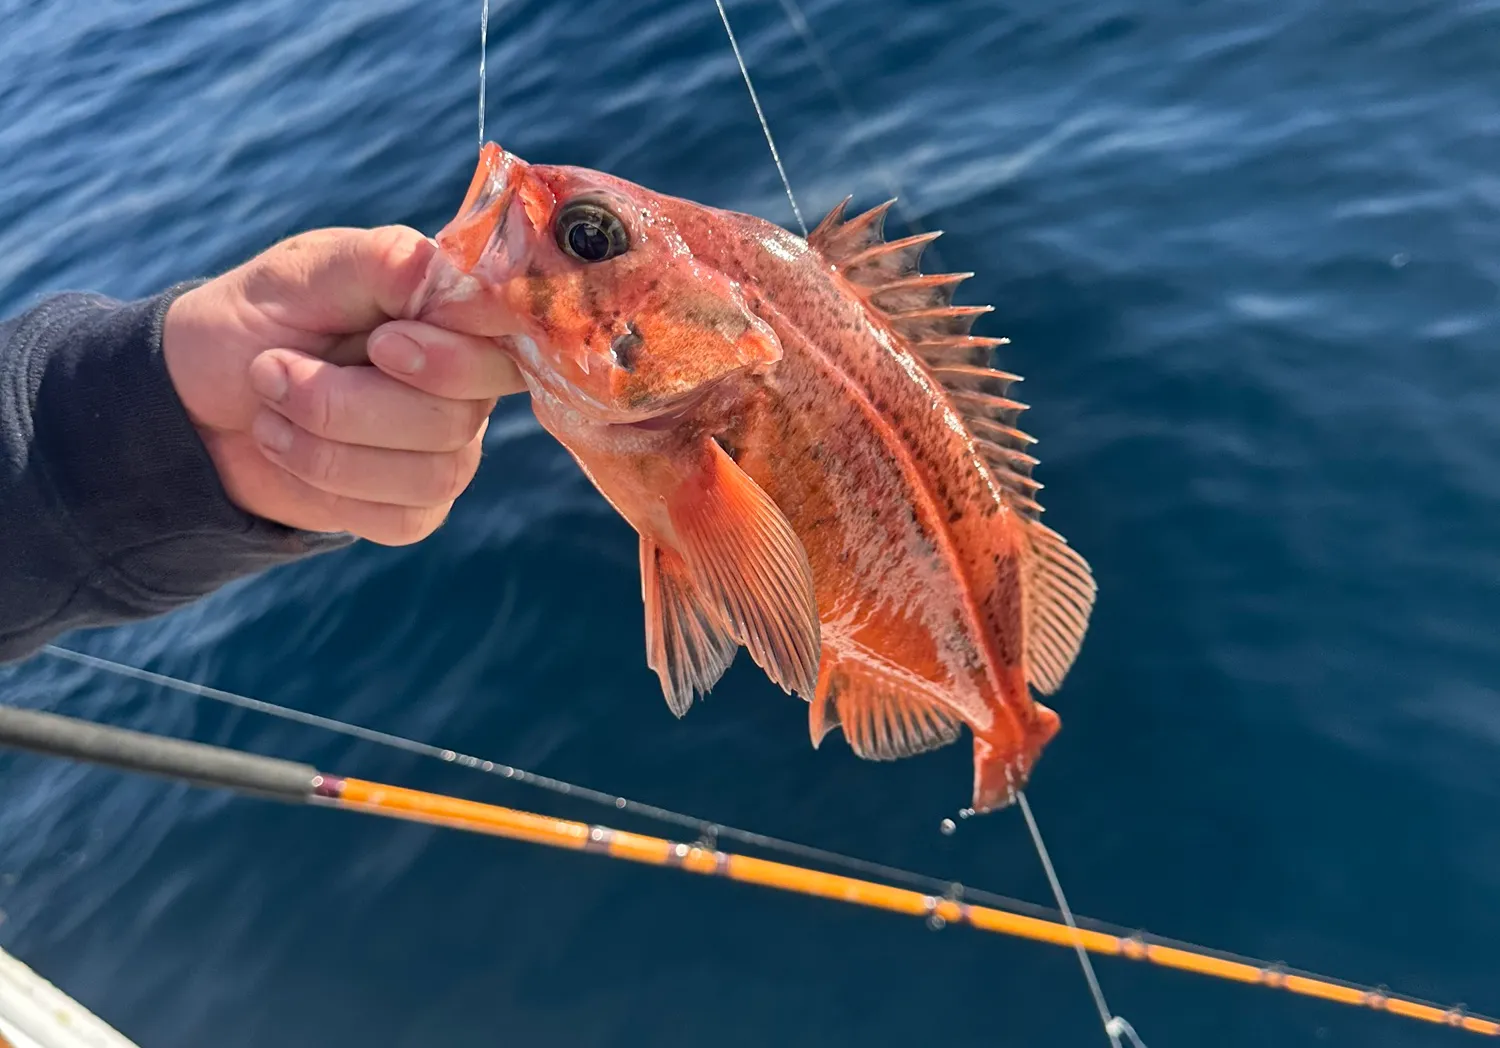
[821, 463]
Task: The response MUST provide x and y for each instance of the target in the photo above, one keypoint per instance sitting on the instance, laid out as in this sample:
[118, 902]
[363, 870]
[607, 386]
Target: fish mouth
[476, 232]
[479, 225]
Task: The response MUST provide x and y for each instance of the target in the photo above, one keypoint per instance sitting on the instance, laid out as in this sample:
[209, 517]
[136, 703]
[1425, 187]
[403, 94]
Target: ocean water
[1249, 257]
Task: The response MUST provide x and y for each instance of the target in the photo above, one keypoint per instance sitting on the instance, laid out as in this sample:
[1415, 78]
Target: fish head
[590, 286]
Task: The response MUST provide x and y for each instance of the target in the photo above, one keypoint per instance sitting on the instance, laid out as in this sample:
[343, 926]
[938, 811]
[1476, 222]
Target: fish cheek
[656, 364]
[539, 292]
[719, 321]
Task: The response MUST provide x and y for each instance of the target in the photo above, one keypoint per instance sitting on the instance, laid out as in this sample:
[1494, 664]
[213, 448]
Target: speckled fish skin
[843, 386]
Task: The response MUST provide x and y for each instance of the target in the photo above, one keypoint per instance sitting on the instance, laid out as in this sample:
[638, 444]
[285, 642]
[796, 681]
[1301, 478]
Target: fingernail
[398, 353]
[268, 379]
[273, 432]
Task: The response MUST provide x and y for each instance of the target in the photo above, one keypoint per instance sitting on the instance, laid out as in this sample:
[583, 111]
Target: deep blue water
[1249, 256]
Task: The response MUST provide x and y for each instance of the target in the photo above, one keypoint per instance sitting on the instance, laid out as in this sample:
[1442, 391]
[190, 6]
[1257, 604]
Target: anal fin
[885, 715]
[685, 644]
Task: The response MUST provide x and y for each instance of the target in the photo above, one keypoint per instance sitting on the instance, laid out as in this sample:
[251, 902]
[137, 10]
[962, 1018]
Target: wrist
[183, 340]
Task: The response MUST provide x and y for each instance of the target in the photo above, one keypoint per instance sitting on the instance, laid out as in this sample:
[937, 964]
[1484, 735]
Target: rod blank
[301, 783]
[136, 751]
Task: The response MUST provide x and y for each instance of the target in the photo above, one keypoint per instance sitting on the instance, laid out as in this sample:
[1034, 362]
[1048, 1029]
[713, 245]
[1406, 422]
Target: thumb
[338, 281]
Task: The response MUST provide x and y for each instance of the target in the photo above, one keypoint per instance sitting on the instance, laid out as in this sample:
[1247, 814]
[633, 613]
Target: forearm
[110, 508]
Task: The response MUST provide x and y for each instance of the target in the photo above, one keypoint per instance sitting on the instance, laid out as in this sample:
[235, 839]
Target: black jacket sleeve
[110, 508]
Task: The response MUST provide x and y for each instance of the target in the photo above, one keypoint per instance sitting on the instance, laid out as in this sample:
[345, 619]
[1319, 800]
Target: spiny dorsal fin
[838, 239]
[1060, 593]
[919, 308]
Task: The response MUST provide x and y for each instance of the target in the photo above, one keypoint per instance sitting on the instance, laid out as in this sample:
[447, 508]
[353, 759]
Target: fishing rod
[272, 778]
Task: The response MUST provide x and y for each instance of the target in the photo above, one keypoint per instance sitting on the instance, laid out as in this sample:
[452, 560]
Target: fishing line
[794, 14]
[760, 114]
[835, 85]
[1113, 1025]
[484, 49]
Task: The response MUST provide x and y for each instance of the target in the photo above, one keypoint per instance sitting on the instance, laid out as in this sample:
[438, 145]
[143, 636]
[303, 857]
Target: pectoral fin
[685, 642]
[749, 567]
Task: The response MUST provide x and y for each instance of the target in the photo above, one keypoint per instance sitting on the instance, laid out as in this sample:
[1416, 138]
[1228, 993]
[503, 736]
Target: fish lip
[481, 221]
[472, 236]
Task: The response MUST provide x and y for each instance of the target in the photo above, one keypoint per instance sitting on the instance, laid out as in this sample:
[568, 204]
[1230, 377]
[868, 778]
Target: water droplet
[948, 826]
[449, 755]
[1399, 259]
[936, 923]
[619, 802]
[965, 813]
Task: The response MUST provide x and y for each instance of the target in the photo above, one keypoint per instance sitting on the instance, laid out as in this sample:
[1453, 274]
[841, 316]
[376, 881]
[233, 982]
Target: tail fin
[1003, 765]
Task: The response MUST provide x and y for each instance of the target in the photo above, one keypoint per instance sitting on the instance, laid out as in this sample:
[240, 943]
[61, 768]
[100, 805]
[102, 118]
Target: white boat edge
[36, 1014]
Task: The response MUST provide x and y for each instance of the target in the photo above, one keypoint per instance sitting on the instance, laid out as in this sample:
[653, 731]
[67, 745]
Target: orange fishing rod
[272, 778]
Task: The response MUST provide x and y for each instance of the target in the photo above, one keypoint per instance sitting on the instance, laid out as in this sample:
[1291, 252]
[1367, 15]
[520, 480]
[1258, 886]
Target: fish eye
[590, 232]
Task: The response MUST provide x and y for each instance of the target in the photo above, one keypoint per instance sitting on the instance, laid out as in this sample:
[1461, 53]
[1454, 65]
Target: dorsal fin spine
[919, 309]
[913, 245]
[924, 291]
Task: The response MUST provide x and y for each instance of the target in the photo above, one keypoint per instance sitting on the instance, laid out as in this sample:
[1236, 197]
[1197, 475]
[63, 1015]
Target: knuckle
[457, 471]
[326, 403]
[409, 525]
[316, 461]
[462, 422]
[394, 244]
[328, 511]
[314, 400]
[400, 251]
[479, 414]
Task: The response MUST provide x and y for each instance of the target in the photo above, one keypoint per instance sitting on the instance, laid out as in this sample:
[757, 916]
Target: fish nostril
[624, 347]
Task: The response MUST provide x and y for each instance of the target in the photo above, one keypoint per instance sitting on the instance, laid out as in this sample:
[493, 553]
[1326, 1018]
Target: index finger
[444, 363]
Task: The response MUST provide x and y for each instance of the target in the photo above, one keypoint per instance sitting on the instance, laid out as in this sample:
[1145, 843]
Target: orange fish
[820, 461]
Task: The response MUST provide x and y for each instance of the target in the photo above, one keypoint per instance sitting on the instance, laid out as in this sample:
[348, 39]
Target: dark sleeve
[110, 508]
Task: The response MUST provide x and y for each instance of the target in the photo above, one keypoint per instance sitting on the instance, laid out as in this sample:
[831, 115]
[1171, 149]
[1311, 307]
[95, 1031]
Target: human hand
[319, 410]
